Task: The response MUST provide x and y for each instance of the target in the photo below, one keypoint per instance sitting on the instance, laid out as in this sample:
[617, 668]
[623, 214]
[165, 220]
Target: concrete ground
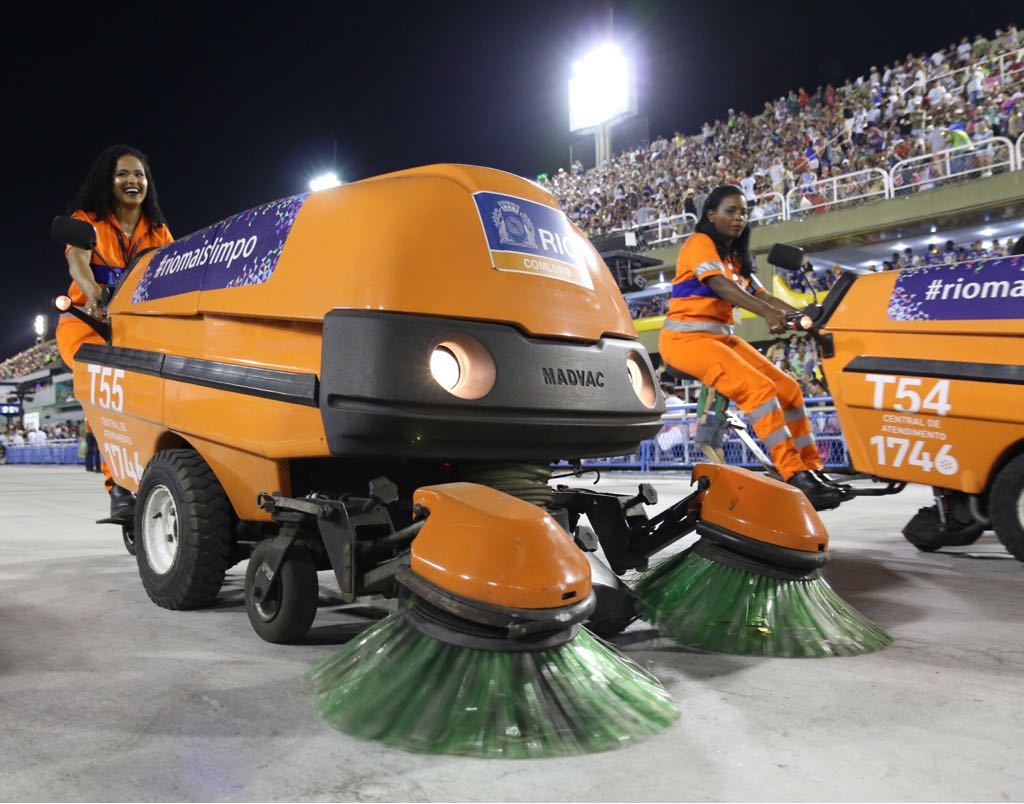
[104, 696]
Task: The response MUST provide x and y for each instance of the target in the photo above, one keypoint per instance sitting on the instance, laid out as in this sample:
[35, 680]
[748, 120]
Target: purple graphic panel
[966, 291]
[242, 250]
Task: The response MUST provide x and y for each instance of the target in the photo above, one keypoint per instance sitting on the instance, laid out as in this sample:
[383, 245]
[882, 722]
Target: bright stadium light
[601, 88]
[324, 182]
[602, 92]
[40, 327]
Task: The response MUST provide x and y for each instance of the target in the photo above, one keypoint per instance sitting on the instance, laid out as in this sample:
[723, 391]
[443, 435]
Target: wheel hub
[160, 529]
[267, 610]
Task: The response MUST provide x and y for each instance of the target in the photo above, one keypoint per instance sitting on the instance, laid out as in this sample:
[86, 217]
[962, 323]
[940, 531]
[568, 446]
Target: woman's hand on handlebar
[776, 320]
[94, 307]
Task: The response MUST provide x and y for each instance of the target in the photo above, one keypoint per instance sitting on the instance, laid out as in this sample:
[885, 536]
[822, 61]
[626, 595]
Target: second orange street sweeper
[926, 367]
[376, 380]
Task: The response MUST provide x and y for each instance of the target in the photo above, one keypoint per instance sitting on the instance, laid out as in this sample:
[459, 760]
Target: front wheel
[289, 605]
[183, 530]
[1006, 507]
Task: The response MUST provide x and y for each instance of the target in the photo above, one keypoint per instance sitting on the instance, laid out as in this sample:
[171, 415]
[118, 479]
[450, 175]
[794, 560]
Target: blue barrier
[675, 446]
[64, 451]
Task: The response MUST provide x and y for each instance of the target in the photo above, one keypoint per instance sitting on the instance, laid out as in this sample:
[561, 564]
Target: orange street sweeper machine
[926, 367]
[278, 387]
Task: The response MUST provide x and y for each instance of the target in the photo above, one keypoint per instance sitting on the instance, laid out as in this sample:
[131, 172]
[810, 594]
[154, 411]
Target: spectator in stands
[714, 273]
[119, 199]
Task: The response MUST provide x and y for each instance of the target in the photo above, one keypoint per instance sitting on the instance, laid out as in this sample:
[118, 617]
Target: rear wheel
[1006, 507]
[128, 536]
[183, 530]
[288, 607]
[928, 533]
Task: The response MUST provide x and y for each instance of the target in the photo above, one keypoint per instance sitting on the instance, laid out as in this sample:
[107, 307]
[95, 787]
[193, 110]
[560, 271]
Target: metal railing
[670, 229]
[772, 207]
[847, 189]
[984, 158]
[998, 70]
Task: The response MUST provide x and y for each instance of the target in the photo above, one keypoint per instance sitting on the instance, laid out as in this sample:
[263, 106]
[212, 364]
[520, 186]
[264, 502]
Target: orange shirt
[116, 249]
[692, 299]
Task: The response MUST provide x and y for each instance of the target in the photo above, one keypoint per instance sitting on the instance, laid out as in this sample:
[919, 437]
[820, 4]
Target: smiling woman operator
[714, 274]
[119, 200]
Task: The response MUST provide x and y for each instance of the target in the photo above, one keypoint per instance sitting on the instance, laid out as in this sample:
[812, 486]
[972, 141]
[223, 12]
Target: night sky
[237, 106]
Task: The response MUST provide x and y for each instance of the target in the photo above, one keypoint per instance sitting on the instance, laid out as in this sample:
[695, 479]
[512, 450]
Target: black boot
[845, 490]
[822, 497]
[122, 503]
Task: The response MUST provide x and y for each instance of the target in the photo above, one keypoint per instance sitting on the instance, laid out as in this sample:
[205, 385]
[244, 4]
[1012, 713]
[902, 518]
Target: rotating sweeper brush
[486, 655]
[752, 583]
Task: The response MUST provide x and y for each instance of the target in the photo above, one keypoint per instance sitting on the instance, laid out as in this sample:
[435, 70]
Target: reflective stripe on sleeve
[708, 267]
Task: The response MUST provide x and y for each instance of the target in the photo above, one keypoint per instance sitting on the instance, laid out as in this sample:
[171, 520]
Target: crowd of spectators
[799, 358]
[16, 435]
[37, 357]
[964, 93]
[946, 253]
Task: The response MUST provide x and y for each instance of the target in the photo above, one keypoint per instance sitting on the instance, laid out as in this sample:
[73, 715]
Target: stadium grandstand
[915, 124]
[40, 356]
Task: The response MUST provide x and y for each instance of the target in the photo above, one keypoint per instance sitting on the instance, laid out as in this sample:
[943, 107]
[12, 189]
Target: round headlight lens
[641, 380]
[461, 365]
[444, 367]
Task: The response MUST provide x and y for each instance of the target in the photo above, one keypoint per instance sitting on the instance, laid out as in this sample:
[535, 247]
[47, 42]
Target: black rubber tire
[926, 533]
[1003, 507]
[289, 608]
[205, 531]
[128, 537]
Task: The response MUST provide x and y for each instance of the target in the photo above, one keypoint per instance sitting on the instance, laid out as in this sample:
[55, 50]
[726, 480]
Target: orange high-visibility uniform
[118, 251]
[697, 338]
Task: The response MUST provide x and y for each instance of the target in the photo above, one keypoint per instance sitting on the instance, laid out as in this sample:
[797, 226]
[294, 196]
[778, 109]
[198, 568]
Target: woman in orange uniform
[714, 274]
[119, 200]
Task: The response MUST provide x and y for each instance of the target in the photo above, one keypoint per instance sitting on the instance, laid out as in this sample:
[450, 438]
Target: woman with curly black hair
[119, 200]
[714, 274]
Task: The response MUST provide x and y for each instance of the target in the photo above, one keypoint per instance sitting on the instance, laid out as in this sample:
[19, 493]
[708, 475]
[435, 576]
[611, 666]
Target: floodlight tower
[40, 328]
[602, 92]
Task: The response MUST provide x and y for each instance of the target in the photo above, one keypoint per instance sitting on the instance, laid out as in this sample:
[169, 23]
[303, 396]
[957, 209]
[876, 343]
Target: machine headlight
[462, 366]
[641, 379]
[444, 366]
